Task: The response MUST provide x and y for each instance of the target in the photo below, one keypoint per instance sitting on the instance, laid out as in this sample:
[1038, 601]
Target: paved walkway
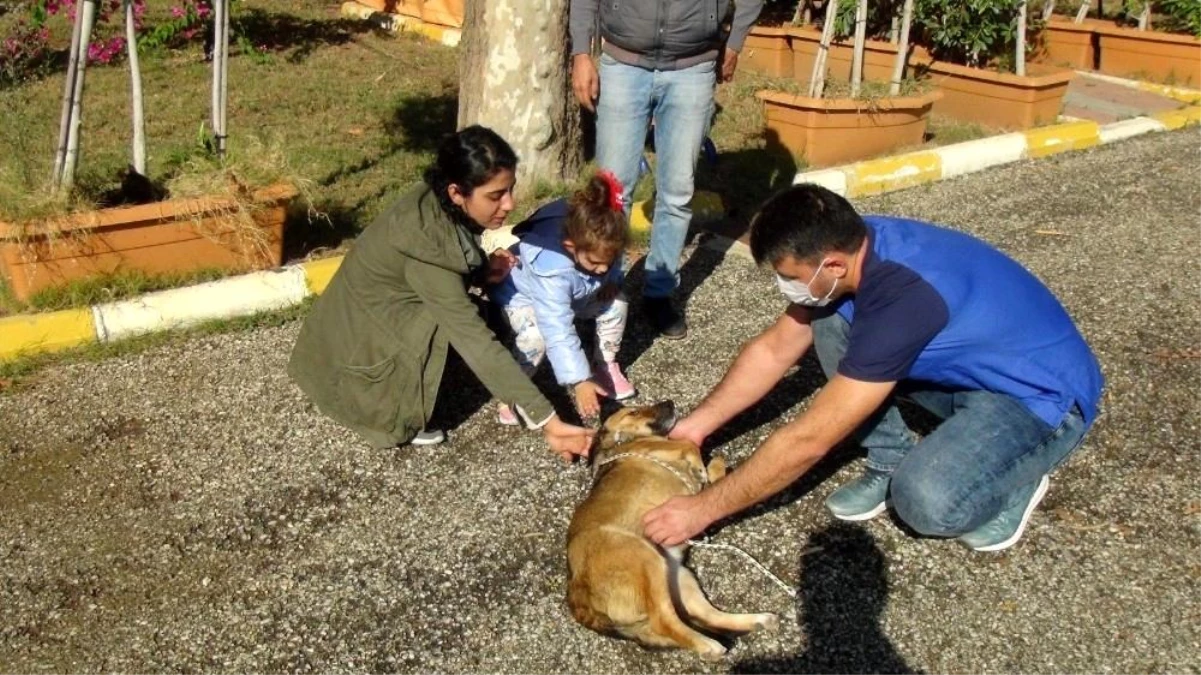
[1103, 102]
[185, 509]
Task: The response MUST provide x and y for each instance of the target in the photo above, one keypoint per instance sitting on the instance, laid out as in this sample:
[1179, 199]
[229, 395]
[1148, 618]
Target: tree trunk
[515, 79]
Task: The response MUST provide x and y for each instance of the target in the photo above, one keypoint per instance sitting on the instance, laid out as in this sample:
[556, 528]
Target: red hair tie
[615, 190]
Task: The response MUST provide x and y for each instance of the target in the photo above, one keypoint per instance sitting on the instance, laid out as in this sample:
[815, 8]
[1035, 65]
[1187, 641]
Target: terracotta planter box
[1150, 55]
[1070, 44]
[1001, 100]
[404, 7]
[179, 235]
[766, 51]
[826, 132]
[879, 57]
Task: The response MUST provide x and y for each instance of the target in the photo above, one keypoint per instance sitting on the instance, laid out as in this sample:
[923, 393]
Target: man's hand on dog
[675, 521]
[688, 429]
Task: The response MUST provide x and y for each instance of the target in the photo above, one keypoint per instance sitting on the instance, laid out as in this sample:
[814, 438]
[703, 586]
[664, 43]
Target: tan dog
[621, 584]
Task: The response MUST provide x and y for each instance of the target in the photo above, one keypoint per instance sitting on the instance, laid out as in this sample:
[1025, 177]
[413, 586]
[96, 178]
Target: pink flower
[177, 12]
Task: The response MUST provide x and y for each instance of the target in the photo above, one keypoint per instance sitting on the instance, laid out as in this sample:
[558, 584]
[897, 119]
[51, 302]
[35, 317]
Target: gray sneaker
[862, 499]
[1007, 527]
[428, 437]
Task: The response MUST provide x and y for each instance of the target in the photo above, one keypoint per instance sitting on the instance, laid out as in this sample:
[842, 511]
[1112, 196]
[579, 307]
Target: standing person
[659, 62]
[900, 306]
[569, 266]
[372, 350]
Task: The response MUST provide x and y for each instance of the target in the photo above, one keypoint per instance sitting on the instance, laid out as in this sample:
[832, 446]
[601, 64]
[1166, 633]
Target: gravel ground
[186, 509]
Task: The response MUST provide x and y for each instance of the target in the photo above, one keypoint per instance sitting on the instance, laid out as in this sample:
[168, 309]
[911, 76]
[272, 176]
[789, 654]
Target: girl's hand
[500, 263]
[567, 440]
[586, 401]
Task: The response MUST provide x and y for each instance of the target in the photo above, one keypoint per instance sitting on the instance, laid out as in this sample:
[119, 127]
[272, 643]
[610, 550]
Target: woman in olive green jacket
[372, 350]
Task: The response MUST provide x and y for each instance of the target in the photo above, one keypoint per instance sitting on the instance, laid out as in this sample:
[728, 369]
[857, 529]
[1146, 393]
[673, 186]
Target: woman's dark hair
[596, 221]
[468, 158]
[805, 221]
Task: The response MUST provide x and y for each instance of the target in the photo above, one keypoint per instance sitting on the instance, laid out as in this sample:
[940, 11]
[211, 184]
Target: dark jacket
[372, 350]
[660, 34]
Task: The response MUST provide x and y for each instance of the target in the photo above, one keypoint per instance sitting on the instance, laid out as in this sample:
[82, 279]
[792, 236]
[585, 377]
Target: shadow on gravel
[844, 589]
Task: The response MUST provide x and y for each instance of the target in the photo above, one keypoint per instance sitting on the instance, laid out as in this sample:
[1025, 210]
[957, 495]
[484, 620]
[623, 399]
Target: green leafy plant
[1182, 16]
[978, 33]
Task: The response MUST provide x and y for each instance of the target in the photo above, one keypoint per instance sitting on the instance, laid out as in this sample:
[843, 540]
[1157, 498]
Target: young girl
[568, 266]
[372, 350]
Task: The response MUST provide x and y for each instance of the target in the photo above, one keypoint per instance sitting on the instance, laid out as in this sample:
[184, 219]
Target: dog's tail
[579, 599]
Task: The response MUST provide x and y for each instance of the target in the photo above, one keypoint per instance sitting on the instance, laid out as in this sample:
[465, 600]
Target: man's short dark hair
[805, 221]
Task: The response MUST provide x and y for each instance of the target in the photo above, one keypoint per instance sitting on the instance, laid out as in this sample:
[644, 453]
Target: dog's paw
[716, 469]
[711, 650]
[767, 621]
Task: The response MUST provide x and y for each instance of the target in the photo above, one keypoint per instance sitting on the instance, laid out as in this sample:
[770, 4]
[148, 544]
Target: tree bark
[515, 79]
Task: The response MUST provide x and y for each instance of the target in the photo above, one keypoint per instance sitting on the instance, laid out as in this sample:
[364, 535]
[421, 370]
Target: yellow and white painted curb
[399, 23]
[1177, 93]
[877, 176]
[243, 295]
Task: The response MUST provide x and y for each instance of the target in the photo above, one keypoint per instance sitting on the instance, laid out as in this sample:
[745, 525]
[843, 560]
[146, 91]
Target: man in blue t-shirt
[894, 308]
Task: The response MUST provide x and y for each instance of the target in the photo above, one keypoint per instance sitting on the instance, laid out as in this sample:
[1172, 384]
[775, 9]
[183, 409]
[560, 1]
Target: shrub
[979, 33]
[1183, 16]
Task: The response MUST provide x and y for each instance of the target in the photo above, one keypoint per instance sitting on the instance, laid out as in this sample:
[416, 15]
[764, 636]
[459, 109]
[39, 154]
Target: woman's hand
[586, 402]
[500, 263]
[567, 440]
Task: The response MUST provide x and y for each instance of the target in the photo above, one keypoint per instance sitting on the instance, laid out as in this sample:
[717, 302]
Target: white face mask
[799, 294]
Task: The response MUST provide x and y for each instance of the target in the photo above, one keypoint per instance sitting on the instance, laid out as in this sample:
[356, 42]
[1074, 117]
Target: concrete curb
[399, 23]
[877, 176]
[31, 334]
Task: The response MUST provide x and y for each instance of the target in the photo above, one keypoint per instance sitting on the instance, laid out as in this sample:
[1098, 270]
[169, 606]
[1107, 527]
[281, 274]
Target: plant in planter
[881, 28]
[1171, 56]
[980, 50]
[866, 121]
[224, 212]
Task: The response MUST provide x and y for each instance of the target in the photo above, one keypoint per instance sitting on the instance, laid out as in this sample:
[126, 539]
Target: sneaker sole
[426, 442]
[627, 396]
[507, 422]
[866, 515]
[1038, 497]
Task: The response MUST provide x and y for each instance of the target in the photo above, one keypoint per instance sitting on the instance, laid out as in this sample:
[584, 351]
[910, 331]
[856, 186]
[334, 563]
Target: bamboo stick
[135, 85]
[85, 38]
[1019, 63]
[224, 81]
[218, 54]
[64, 123]
[818, 82]
[860, 39]
[1082, 13]
[898, 68]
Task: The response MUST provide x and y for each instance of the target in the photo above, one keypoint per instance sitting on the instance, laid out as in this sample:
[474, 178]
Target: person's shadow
[844, 589]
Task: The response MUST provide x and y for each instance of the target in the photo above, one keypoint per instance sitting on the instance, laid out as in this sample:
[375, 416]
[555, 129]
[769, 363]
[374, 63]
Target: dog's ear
[608, 407]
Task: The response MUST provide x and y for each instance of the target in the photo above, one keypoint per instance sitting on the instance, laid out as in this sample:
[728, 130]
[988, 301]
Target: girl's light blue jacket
[548, 280]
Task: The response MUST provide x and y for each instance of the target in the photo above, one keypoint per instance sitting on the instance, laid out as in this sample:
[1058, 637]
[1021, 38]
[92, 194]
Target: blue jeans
[987, 448]
[681, 104]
